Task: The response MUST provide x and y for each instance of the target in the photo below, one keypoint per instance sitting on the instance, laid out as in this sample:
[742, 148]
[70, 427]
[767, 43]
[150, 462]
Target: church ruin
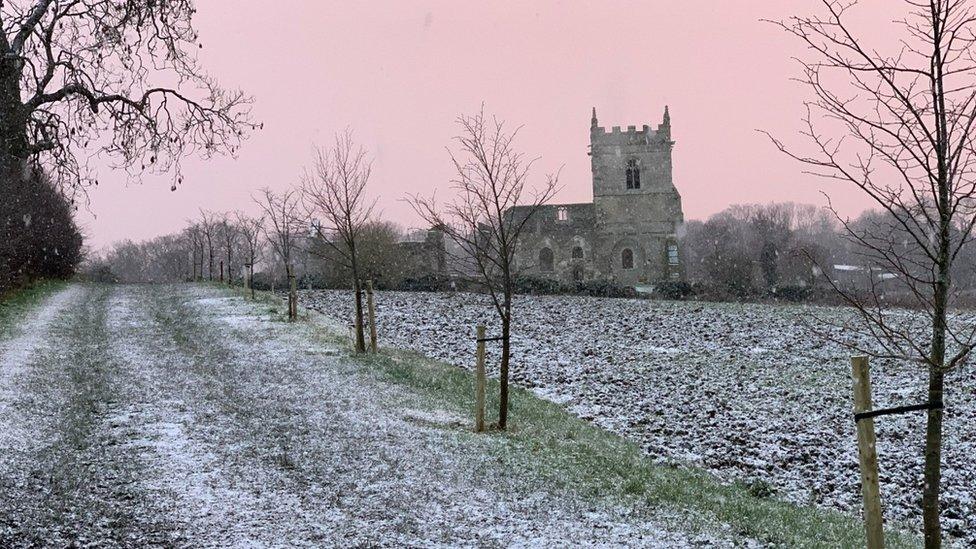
[627, 235]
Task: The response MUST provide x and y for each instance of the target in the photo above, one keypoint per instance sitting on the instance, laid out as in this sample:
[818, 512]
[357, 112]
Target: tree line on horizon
[776, 250]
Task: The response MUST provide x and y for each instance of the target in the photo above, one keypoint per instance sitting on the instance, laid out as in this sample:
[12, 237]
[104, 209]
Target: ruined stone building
[628, 233]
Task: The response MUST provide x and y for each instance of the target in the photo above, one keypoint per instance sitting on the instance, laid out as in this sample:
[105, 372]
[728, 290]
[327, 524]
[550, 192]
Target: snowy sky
[399, 72]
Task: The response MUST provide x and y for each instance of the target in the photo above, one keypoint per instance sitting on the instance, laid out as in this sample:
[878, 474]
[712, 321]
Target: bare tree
[483, 220]
[334, 193]
[229, 239]
[209, 225]
[900, 127]
[284, 223]
[194, 232]
[117, 78]
[250, 231]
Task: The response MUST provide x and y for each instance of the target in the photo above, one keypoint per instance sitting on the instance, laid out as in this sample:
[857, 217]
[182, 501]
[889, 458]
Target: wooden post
[479, 382]
[355, 332]
[292, 296]
[221, 270]
[247, 280]
[868, 454]
[371, 308]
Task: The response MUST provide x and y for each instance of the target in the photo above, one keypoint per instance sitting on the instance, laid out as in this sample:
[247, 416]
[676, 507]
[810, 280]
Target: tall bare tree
[209, 226]
[250, 231]
[491, 179]
[229, 240]
[334, 193]
[899, 125]
[285, 222]
[198, 244]
[117, 78]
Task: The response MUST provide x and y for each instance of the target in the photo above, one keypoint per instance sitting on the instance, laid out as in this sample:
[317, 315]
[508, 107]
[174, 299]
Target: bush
[605, 288]
[40, 238]
[262, 281]
[311, 280]
[673, 289]
[539, 286]
[100, 272]
[426, 283]
[793, 293]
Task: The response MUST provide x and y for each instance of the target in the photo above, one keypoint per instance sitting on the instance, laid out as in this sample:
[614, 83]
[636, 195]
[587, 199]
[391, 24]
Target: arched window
[545, 260]
[627, 258]
[633, 174]
[578, 252]
[562, 213]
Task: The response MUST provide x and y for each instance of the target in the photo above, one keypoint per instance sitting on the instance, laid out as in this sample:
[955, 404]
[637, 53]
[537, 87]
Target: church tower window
[633, 174]
[577, 252]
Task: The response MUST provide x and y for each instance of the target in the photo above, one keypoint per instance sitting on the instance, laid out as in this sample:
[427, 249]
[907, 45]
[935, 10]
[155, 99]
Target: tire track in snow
[33, 335]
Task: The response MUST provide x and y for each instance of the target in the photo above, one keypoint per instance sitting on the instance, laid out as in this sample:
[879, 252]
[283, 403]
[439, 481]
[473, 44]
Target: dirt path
[182, 416]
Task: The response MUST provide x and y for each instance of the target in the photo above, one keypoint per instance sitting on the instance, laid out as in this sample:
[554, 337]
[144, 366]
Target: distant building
[426, 250]
[628, 233]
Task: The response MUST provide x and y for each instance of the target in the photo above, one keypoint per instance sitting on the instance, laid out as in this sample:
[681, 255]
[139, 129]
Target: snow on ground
[744, 390]
[182, 416]
[15, 355]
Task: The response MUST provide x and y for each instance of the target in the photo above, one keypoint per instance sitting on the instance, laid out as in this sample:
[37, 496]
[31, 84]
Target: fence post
[868, 454]
[292, 295]
[355, 332]
[372, 316]
[479, 383]
[248, 283]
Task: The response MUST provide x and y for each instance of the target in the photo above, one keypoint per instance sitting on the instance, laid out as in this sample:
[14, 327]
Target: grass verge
[14, 304]
[573, 454]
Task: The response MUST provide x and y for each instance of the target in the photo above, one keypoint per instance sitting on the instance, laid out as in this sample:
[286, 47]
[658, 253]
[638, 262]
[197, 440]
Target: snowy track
[180, 416]
[743, 390]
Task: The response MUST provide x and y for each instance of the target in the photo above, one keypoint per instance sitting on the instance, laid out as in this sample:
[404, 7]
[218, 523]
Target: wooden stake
[294, 298]
[355, 333]
[249, 281]
[372, 316]
[479, 382]
[292, 295]
[867, 451]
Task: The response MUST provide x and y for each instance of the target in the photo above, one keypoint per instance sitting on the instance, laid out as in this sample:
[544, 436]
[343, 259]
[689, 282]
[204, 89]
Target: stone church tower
[628, 233]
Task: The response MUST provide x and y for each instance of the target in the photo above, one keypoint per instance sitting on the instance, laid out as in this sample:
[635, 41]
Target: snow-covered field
[746, 391]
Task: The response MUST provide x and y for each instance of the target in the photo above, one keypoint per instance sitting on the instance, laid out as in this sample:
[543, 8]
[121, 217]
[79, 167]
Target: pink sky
[399, 72]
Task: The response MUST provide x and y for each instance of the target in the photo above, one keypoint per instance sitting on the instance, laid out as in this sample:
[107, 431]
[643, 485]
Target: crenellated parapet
[616, 136]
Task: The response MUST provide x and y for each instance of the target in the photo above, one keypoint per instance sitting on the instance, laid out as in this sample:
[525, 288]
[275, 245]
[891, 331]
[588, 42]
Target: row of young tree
[325, 226]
